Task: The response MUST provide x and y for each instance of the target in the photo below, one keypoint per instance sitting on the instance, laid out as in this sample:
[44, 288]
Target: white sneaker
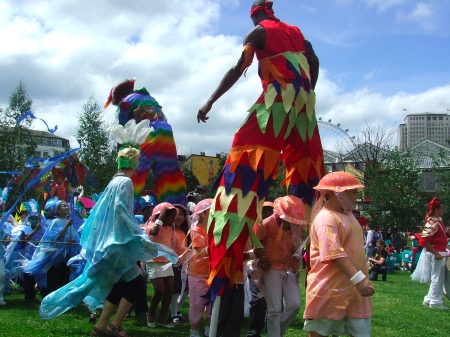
[439, 306]
[2, 302]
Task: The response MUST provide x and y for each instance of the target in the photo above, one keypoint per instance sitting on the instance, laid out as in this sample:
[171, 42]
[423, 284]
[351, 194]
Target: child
[280, 234]
[160, 272]
[338, 292]
[198, 271]
[182, 226]
[3, 236]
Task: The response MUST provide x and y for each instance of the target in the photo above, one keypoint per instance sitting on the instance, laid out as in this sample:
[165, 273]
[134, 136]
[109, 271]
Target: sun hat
[338, 182]
[291, 209]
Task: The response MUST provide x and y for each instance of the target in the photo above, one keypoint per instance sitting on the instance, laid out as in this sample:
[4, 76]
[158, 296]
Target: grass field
[398, 311]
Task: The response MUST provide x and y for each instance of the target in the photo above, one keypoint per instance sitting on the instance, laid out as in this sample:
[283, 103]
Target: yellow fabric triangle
[310, 104]
[300, 100]
[244, 203]
[304, 63]
[269, 96]
[288, 95]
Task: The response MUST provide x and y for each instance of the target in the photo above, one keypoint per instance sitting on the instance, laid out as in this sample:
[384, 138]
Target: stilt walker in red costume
[280, 125]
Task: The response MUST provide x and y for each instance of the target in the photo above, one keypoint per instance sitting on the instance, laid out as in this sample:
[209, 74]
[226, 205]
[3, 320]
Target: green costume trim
[126, 163]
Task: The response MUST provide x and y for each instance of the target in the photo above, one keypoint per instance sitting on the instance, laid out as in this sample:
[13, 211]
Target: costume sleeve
[245, 59]
[430, 228]
[330, 247]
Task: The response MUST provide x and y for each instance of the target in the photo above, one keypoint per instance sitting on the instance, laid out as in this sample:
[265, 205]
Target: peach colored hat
[160, 206]
[338, 182]
[291, 209]
[268, 204]
[202, 206]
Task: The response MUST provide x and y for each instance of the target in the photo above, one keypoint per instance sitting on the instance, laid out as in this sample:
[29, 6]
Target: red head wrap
[432, 206]
[266, 8]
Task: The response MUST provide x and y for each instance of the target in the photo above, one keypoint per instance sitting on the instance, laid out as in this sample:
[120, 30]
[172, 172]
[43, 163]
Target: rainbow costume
[159, 151]
[281, 125]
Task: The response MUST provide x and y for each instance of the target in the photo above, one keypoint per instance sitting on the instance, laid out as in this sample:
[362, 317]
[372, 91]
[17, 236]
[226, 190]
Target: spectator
[397, 240]
[378, 260]
[369, 241]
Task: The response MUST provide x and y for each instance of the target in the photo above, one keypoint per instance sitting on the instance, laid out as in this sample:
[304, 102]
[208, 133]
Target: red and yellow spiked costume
[280, 125]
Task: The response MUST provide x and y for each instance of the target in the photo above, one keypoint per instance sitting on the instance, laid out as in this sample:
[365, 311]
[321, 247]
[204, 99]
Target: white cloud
[382, 5]
[421, 11]
[309, 9]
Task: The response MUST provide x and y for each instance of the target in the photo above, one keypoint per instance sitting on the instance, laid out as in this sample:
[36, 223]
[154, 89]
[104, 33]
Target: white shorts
[357, 327]
[158, 269]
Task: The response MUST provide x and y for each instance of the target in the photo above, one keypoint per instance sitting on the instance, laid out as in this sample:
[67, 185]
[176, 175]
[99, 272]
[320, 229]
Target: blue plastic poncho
[112, 243]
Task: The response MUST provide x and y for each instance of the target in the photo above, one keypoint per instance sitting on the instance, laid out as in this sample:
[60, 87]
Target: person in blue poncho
[54, 250]
[112, 242]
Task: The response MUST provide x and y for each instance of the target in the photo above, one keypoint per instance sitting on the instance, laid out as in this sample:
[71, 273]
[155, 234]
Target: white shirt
[369, 239]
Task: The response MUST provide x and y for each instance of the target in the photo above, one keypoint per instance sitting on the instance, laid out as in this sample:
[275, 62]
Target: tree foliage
[191, 180]
[441, 170]
[96, 150]
[17, 144]
[395, 191]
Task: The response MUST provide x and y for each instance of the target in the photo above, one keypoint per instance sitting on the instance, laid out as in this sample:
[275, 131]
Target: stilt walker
[280, 125]
[159, 151]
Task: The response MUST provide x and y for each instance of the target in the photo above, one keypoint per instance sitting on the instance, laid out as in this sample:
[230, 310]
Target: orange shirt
[180, 242]
[164, 237]
[329, 293]
[199, 263]
[277, 242]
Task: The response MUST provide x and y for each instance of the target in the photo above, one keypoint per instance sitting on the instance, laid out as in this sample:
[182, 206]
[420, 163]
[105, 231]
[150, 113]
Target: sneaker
[439, 306]
[2, 302]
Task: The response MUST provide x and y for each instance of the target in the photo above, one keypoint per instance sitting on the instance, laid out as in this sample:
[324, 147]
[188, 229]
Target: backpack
[376, 237]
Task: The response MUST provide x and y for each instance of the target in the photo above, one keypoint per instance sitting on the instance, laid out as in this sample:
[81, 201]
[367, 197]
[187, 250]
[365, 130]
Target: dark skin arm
[255, 38]
[313, 62]
[30, 236]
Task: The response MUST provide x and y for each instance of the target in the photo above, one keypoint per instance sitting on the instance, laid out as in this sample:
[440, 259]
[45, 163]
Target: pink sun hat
[338, 182]
[291, 209]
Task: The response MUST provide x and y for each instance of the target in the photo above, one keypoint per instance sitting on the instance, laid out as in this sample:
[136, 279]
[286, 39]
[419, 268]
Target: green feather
[294, 61]
[302, 125]
[278, 117]
[312, 125]
[292, 118]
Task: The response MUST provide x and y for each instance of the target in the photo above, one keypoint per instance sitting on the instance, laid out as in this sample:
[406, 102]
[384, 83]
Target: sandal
[111, 330]
[97, 332]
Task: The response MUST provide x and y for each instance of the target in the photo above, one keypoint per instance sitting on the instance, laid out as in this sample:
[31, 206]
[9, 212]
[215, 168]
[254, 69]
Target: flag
[404, 109]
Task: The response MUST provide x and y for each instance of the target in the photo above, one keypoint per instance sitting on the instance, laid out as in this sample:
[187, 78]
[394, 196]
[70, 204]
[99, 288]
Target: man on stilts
[281, 125]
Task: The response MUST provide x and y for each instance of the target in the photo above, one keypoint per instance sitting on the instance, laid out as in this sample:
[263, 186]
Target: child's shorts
[357, 327]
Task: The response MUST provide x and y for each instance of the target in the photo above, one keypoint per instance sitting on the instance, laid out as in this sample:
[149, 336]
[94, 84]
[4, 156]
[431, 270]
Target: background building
[202, 166]
[418, 127]
[49, 144]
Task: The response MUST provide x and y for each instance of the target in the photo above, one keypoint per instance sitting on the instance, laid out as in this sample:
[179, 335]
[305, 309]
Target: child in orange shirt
[199, 269]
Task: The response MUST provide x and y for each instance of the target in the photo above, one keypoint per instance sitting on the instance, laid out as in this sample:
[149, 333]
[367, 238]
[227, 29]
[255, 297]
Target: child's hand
[264, 264]
[365, 288]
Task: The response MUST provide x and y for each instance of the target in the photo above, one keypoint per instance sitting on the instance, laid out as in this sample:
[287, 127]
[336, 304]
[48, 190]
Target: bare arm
[30, 236]
[313, 61]
[256, 38]
[64, 230]
[364, 287]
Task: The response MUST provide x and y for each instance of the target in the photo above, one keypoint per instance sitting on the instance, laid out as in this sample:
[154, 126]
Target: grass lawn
[398, 311]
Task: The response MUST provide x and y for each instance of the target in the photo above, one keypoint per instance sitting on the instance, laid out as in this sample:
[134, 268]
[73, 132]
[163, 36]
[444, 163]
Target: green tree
[17, 144]
[395, 191]
[276, 189]
[441, 170]
[191, 180]
[97, 151]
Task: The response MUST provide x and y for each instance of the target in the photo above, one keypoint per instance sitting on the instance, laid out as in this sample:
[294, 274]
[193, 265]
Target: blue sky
[376, 58]
[363, 44]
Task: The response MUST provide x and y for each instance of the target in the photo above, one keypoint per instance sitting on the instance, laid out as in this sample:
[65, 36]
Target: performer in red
[281, 125]
[434, 240]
